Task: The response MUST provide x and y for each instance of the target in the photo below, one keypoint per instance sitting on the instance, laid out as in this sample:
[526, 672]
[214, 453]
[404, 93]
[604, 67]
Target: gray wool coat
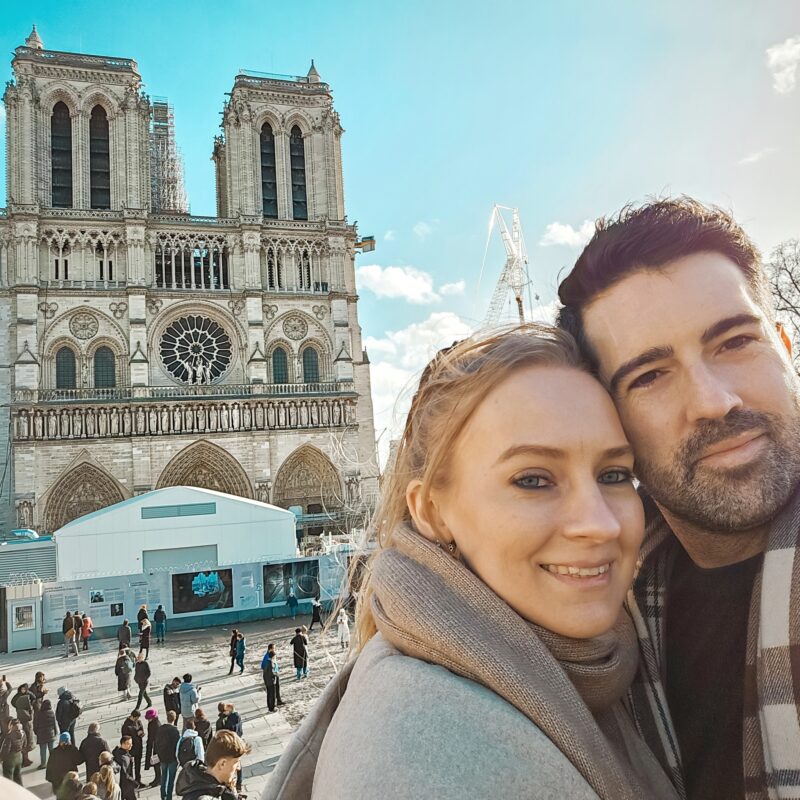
[406, 728]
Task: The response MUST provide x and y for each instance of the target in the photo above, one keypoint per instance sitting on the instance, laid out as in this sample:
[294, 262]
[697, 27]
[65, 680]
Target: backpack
[74, 709]
[186, 750]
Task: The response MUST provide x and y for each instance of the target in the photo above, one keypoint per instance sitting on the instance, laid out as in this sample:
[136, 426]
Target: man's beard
[735, 499]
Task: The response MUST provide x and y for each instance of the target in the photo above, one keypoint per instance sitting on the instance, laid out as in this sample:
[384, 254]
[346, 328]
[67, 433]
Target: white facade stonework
[147, 350]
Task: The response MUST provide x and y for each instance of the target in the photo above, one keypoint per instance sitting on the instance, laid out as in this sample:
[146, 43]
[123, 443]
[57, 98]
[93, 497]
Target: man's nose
[707, 395]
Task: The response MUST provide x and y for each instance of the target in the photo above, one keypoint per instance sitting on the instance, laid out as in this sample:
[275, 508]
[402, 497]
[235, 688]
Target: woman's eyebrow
[554, 452]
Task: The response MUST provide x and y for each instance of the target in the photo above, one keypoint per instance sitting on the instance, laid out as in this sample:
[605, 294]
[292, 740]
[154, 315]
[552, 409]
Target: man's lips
[735, 448]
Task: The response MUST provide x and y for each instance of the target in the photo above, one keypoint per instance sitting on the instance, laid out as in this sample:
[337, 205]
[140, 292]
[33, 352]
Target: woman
[232, 649]
[144, 638]
[44, 726]
[123, 669]
[142, 615]
[151, 757]
[38, 689]
[343, 629]
[316, 613]
[202, 724]
[509, 533]
[107, 788]
[87, 629]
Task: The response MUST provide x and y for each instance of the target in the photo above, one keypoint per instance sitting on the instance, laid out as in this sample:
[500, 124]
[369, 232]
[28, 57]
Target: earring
[451, 548]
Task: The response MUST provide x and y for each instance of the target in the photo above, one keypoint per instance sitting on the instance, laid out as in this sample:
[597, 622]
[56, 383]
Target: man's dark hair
[124, 739]
[187, 678]
[189, 725]
[136, 713]
[647, 237]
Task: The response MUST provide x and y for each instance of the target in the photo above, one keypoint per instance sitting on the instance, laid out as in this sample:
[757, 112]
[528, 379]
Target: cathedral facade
[149, 348]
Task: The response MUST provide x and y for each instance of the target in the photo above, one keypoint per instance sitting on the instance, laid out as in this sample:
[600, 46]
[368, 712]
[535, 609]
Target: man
[172, 697]
[68, 629]
[22, 701]
[68, 710]
[91, 748]
[213, 780]
[64, 758]
[77, 622]
[671, 305]
[190, 698]
[124, 634]
[127, 780]
[132, 726]
[166, 747]
[299, 645]
[190, 746]
[141, 676]
[160, 619]
[272, 681]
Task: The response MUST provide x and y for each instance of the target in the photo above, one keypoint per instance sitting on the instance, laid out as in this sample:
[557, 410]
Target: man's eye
[737, 342]
[645, 379]
[615, 476]
[533, 482]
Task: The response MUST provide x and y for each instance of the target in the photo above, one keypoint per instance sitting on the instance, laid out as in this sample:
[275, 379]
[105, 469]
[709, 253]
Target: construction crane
[514, 278]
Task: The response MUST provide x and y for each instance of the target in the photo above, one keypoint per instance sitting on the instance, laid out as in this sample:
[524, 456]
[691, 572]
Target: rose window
[195, 349]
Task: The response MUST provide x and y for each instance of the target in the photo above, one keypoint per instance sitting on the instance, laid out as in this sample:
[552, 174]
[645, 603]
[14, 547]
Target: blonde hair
[452, 386]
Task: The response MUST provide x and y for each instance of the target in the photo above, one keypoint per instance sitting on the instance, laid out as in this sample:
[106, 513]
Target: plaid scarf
[772, 663]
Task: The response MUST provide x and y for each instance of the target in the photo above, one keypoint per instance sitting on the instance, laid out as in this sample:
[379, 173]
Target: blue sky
[566, 110]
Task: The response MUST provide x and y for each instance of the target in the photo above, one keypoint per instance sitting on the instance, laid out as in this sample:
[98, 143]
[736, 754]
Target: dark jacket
[12, 742]
[37, 692]
[123, 669]
[268, 668]
[233, 722]
[90, 748]
[299, 651]
[77, 623]
[167, 743]
[195, 783]
[144, 638]
[203, 728]
[221, 720]
[172, 700]
[153, 727]
[234, 639]
[64, 758]
[124, 634]
[44, 723]
[23, 703]
[160, 615]
[67, 710]
[5, 691]
[67, 624]
[125, 761]
[135, 730]
[141, 674]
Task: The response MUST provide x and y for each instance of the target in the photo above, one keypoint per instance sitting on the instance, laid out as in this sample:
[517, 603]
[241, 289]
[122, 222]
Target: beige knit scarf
[430, 606]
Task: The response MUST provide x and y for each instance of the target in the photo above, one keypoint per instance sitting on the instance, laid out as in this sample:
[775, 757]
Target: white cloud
[398, 358]
[753, 158]
[782, 60]
[407, 283]
[422, 230]
[561, 235]
[546, 313]
[388, 236]
[453, 288]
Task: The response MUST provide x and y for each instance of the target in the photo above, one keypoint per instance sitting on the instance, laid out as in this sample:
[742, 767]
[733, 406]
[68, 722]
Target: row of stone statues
[89, 422]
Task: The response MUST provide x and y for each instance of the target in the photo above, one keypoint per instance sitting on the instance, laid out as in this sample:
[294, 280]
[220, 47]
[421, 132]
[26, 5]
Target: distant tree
[783, 269]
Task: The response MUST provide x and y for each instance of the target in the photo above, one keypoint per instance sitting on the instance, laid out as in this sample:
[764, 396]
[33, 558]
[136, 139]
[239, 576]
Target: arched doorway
[85, 488]
[308, 479]
[206, 466]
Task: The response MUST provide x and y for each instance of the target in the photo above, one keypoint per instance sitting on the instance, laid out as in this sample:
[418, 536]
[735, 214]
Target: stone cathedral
[148, 348]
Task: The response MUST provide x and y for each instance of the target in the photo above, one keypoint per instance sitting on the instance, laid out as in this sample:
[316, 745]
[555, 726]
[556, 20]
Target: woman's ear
[425, 513]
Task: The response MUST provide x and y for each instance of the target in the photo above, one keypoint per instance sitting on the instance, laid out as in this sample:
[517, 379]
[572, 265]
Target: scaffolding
[167, 190]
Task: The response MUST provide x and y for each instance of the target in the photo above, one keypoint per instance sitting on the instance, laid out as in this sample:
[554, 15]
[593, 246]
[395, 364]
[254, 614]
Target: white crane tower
[514, 278]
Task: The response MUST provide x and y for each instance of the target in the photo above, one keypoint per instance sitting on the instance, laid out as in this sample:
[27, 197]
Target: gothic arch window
[310, 365]
[61, 156]
[297, 161]
[80, 491]
[105, 373]
[66, 377]
[206, 466]
[105, 264]
[280, 366]
[274, 269]
[99, 159]
[308, 479]
[269, 185]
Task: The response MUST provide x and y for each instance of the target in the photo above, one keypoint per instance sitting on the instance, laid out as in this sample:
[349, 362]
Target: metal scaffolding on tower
[167, 189]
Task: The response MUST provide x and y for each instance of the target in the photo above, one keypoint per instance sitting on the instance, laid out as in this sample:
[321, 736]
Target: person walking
[122, 756]
[12, 746]
[87, 629]
[141, 676]
[172, 697]
[46, 730]
[91, 748]
[160, 620]
[299, 645]
[68, 629]
[144, 638]
[23, 704]
[293, 603]
[190, 699]
[343, 629]
[77, 622]
[316, 613]
[124, 634]
[64, 758]
[270, 669]
[151, 758]
[132, 726]
[142, 615]
[241, 646]
[166, 747]
[232, 653]
[124, 670]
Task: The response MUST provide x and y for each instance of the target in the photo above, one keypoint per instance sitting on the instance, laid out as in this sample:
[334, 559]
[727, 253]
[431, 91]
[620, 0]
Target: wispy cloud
[754, 158]
[422, 230]
[453, 288]
[558, 234]
[388, 236]
[782, 60]
[406, 283]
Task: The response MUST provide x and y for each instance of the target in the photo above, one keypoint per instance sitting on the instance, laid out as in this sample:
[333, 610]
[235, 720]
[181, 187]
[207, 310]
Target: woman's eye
[533, 482]
[614, 476]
